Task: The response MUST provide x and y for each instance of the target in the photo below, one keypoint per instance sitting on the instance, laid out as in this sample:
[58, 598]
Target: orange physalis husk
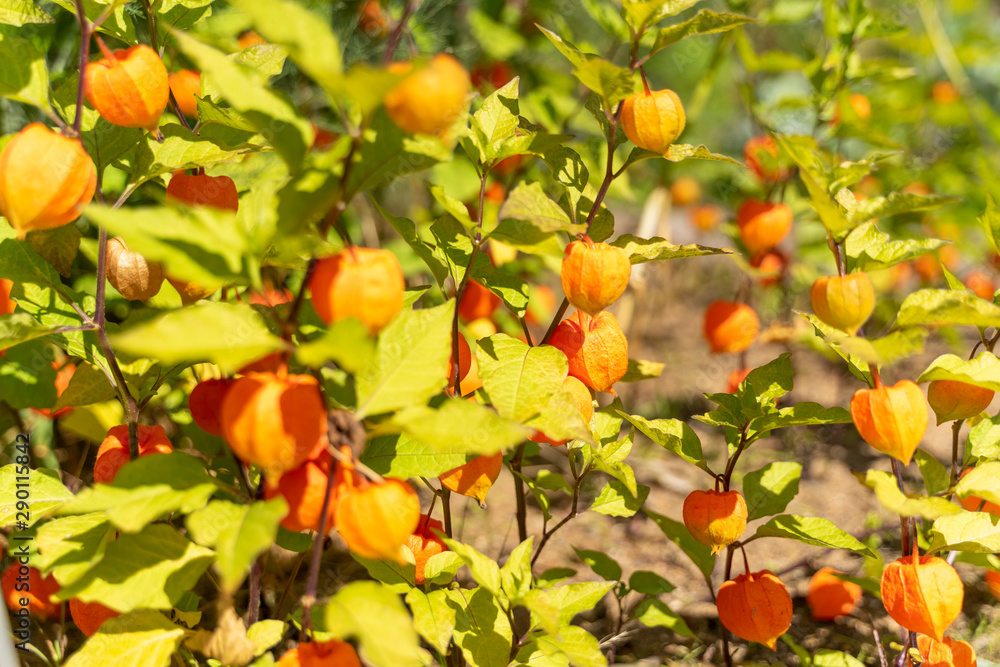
[922, 593]
[274, 420]
[204, 190]
[45, 180]
[431, 99]
[952, 400]
[334, 653]
[945, 653]
[763, 157]
[129, 87]
[205, 403]
[364, 283]
[475, 478]
[583, 400]
[653, 119]
[304, 490]
[424, 543]
[730, 327]
[891, 419]
[477, 302]
[755, 607]
[596, 348]
[36, 589]
[113, 453]
[830, 596]
[186, 86]
[88, 616]
[376, 520]
[843, 302]
[763, 225]
[594, 275]
[715, 518]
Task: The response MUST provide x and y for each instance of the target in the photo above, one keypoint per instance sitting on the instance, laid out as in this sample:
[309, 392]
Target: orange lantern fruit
[376, 520]
[596, 348]
[755, 607]
[945, 653]
[135, 277]
[7, 305]
[63, 377]
[431, 99]
[191, 292]
[730, 327]
[922, 593]
[594, 275]
[830, 596]
[464, 360]
[706, 217]
[944, 92]
[992, 580]
[334, 653]
[113, 453]
[685, 191]
[583, 401]
[843, 302]
[45, 180]
[980, 284]
[541, 305]
[477, 302]
[186, 86]
[653, 119]
[204, 190]
[715, 518]
[860, 105]
[275, 421]
[773, 263]
[304, 489]
[364, 283]
[977, 504]
[372, 20]
[88, 616]
[424, 543]
[735, 379]
[763, 157]
[23, 583]
[763, 225]
[475, 478]
[891, 419]
[128, 87]
[952, 400]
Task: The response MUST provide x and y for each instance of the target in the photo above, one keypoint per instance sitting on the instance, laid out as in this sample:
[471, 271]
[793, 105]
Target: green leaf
[939, 306]
[246, 90]
[603, 565]
[203, 245]
[529, 202]
[769, 490]
[816, 531]
[410, 361]
[983, 371]
[387, 152]
[24, 382]
[180, 149]
[118, 24]
[403, 457]
[616, 500]
[802, 414]
[888, 493]
[868, 249]
[654, 613]
[21, 264]
[982, 481]
[497, 119]
[484, 570]
[19, 328]
[398, 577]
[984, 440]
[705, 22]
[151, 569]
[230, 335]
[370, 612]
[640, 369]
[571, 599]
[641, 13]
[142, 637]
[346, 343]
[610, 82]
[640, 251]
[482, 630]
[515, 575]
[459, 425]
[72, 545]
[681, 152]
[238, 533]
[517, 377]
[146, 489]
[978, 532]
[990, 221]
[889, 349]
[677, 533]
[433, 617]
[579, 646]
[802, 150]
[649, 583]
[311, 44]
[829, 658]
[673, 435]
[23, 76]
[265, 634]
[19, 12]
[88, 385]
[895, 203]
[58, 246]
[937, 478]
[45, 492]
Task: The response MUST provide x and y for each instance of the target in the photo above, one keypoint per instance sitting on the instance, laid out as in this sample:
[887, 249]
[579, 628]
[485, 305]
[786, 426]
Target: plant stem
[555, 321]
[253, 614]
[522, 510]
[574, 510]
[291, 324]
[904, 522]
[609, 173]
[85, 32]
[446, 511]
[397, 32]
[731, 464]
[955, 428]
[726, 655]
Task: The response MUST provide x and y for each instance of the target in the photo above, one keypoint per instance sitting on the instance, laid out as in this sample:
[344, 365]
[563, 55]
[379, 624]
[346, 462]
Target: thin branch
[85, 32]
[397, 31]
